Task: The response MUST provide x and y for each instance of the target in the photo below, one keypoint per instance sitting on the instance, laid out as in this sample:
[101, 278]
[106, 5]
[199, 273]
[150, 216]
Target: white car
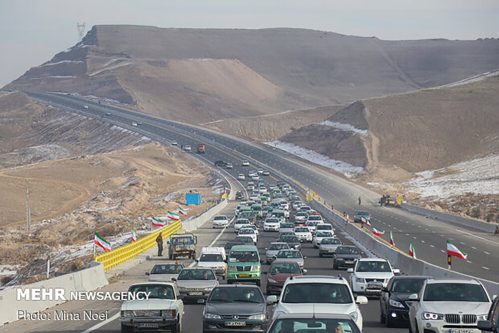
[241, 223]
[324, 226]
[250, 232]
[319, 236]
[220, 221]
[370, 275]
[162, 310]
[229, 166]
[245, 163]
[315, 218]
[85, 106]
[187, 148]
[441, 304]
[303, 233]
[301, 217]
[265, 173]
[174, 143]
[311, 225]
[165, 272]
[214, 258]
[272, 224]
[241, 176]
[317, 294]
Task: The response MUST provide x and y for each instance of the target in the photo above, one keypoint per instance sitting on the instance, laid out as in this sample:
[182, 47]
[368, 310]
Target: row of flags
[452, 250]
[105, 245]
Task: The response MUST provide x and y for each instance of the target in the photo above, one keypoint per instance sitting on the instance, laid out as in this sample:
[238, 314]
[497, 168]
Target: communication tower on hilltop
[81, 30]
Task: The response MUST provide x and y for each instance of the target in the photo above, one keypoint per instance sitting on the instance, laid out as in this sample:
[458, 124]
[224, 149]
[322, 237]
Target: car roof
[172, 284]
[244, 247]
[373, 259]
[463, 281]
[313, 315]
[317, 279]
[404, 277]
[194, 268]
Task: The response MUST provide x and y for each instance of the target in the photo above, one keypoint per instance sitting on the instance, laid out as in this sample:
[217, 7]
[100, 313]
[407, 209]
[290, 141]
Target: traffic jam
[260, 280]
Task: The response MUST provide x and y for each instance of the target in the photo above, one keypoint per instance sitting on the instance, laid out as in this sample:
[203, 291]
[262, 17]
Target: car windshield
[287, 225]
[272, 221]
[182, 240]
[196, 274]
[316, 293]
[290, 238]
[155, 290]
[455, 292]
[373, 266]
[302, 213]
[347, 250]
[324, 227]
[246, 231]
[285, 268]
[278, 246]
[302, 230]
[244, 256]
[315, 218]
[220, 218]
[167, 269]
[289, 254]
[239, 294]
[330, 240]
[407, 286]
[363, 213]
[245, 239]
[313, 325]
[211, 257]
[242, 222]
[324, 234]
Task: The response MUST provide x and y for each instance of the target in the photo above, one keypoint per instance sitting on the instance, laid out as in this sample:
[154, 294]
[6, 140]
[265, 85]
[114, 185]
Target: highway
[428, 236]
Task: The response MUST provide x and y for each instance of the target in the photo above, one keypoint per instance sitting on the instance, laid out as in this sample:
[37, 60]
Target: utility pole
[28, 210]
[81, 30]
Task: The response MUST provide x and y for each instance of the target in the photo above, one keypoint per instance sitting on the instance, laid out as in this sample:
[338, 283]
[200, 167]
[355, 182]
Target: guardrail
[130, 251]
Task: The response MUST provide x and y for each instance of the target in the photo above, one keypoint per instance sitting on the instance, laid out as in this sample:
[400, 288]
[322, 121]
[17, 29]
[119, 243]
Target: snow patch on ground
[61, 62]
[347, 169]
[473, 79]
[478, 176]
[344, 127]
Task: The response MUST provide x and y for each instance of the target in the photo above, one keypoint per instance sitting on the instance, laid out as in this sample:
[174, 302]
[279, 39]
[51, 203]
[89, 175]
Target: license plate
[374, 286]
[244, 275]
[460, 330]
[235, 323]
[148, 325]
[196, 293]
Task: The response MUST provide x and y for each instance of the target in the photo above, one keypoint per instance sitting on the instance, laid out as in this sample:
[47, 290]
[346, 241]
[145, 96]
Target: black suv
[492, 322]
[220, 163]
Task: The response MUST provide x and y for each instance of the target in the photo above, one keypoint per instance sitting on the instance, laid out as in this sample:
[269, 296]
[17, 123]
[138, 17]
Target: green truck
[244, 264]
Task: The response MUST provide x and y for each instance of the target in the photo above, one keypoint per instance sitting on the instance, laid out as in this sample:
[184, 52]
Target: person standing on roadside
[159, 241]
[360, 202]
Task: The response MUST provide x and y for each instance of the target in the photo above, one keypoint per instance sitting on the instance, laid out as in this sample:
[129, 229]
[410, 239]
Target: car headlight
[212, 316]
[395, 304]
[232, 269]
[208, 288]
[271, 280]
[354, 315]
[482, 317]
[360, 280]
[182, 289]
[432, 316]
[255, 268]
[127, 314]
[261, 316]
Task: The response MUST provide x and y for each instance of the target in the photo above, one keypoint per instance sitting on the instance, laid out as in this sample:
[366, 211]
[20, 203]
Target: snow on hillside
[479, 176]
[344, 127]
[347, 169]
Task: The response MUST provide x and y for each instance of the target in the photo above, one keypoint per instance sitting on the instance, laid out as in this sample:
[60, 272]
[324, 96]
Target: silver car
[165, 272]
[290, 255]
[328, 246]
[273, 249]
[196, 283]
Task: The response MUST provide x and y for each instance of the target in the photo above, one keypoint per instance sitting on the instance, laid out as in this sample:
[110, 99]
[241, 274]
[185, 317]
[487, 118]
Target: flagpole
[449, 261]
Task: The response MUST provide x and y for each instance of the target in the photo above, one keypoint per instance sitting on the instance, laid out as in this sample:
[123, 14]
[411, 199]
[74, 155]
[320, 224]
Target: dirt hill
[204, 75]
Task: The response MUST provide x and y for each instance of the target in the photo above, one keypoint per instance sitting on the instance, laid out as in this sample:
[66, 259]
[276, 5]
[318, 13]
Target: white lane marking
[407, 234]
[442, 251]
[474, 248]
[102, 323]
[462, 243]
[414, 237]
[482, 238]
[486, 268]
[487, 253]
[423, 241]
[431, 245]
[469, 262]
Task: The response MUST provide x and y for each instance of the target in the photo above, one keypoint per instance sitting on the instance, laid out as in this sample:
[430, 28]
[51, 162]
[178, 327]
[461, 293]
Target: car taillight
[174, 313]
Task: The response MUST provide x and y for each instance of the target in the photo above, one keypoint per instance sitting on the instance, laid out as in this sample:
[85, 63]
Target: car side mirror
[485, 325]
[196, 260]
[272, 299]
[350, 270]
[304, 271]
[361, 300]
[304, 257]
[147, 273]
[494, 297]
[413, 297]
[396, 271]
[385, 289]
[174, 279]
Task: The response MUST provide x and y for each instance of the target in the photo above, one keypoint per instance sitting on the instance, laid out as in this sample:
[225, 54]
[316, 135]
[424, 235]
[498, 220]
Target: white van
[214, 258]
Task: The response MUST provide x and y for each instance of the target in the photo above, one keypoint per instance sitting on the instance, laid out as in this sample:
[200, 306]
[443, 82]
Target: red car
[278, 273]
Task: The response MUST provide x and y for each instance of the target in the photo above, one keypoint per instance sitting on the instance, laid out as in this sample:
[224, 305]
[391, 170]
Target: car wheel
[389, 322]
[176, 328]
[258, 283]
[335, 266]
[126, 329]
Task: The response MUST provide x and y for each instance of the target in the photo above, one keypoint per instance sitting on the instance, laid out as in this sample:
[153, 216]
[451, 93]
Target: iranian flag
[102, 242]
[157, 222]
[377, 232]
[412, 251]
[392, 241]
[365, 220]
[182, 211]
[173, 216]
[453, 251]
[134, 234]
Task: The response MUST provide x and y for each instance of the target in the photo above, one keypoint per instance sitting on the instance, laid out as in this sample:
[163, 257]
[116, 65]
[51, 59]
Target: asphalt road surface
[428, 236]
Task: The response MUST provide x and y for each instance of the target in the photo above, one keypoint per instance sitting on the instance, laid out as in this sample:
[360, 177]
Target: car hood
[271, 253]
[457, 307]
[151, 304]
[235, 308]
[298, 260]
[316, 307]
[162, 277]
[196, 283]
[348, 256]
[281, 278]
[328, 246]
[211, 264]
[374, 275]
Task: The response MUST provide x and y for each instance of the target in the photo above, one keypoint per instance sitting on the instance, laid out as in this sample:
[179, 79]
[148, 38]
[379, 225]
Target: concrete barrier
[492, 228]
[85, 280]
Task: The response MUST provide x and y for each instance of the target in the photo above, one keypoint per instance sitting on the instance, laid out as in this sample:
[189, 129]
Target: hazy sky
[32, 31]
